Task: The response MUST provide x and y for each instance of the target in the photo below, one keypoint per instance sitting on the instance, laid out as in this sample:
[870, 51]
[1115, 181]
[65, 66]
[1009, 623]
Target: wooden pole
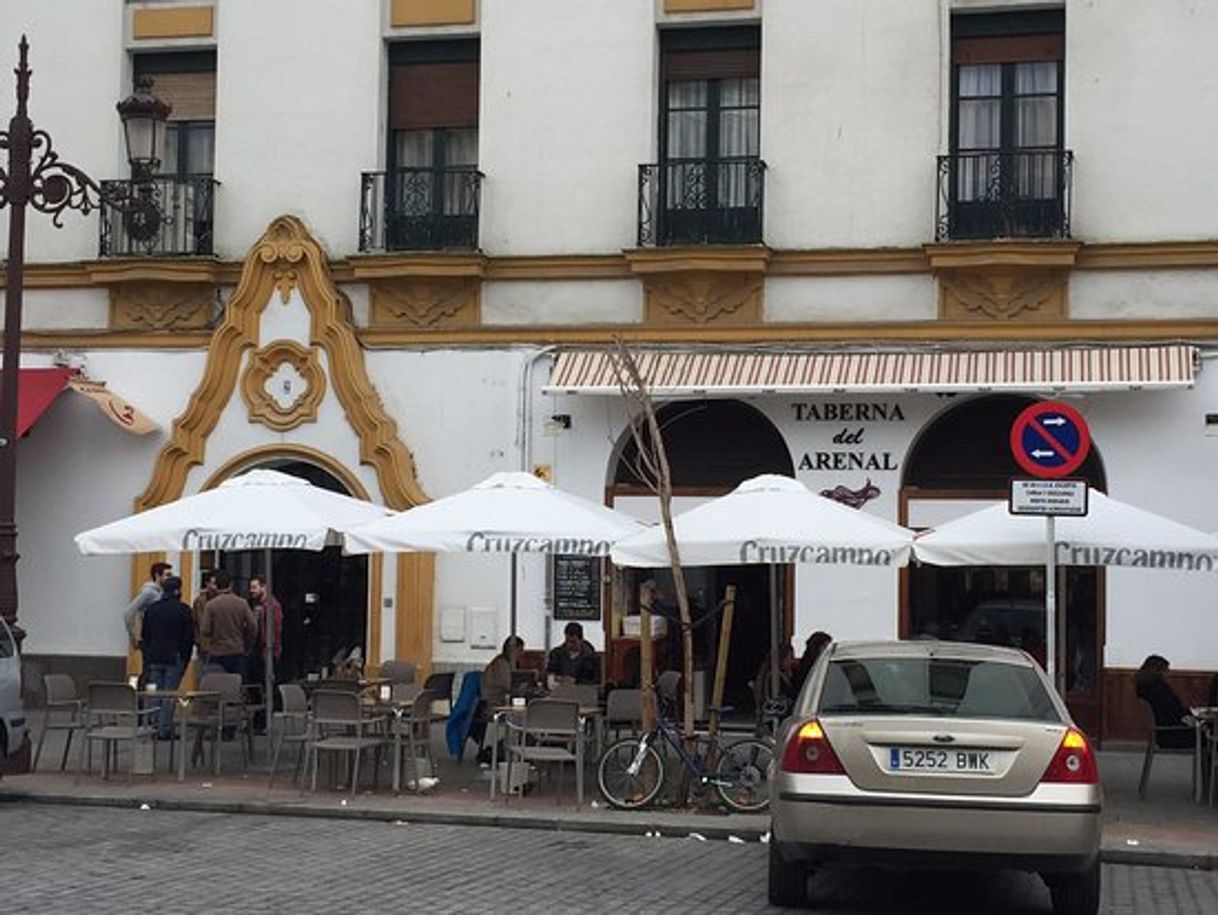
[646, 667]
[725, 639]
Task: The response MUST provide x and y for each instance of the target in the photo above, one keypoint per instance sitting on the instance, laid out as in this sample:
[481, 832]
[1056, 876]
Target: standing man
[262, 598]
[228, 624]
[149, 592]
[167, 637]
[206, 592]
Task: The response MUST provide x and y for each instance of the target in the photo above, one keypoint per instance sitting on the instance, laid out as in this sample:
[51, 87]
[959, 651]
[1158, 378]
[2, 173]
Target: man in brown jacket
[229, 627]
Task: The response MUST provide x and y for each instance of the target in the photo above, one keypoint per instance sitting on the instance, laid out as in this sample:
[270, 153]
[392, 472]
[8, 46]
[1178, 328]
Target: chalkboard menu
[577, 588]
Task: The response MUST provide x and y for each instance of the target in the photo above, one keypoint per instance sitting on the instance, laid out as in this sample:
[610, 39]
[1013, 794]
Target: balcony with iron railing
[178, 221]
[989, 194]
[420, 209]
[701, 202]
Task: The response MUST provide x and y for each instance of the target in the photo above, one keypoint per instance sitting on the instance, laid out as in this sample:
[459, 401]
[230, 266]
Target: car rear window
[949, 687]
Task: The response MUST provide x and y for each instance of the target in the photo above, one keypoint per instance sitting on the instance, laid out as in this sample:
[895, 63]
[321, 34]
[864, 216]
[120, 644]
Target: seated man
[575, 660]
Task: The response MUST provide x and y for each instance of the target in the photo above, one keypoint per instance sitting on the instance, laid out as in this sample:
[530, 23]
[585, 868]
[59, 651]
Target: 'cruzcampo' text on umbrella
[1185, 560]
[562, 546]
[752, 551]
[236, 540]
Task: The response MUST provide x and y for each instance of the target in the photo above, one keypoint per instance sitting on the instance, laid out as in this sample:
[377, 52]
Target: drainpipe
[524, 438]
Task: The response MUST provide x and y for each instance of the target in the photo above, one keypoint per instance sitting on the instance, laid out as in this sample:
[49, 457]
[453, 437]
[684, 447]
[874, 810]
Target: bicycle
[631, 771]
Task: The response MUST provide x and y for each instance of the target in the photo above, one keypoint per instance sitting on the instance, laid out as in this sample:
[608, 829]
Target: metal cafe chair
[292, 725]
[412, 733]
[1154, 737]
[113, 716]
[340, 726]
[551, 735]
[65, 711]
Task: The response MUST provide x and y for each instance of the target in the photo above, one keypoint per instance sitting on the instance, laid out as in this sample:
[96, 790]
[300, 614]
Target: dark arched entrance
[712, 446]
[324, 595]
[964, 454]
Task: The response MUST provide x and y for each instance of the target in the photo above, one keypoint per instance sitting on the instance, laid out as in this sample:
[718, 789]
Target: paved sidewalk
[1166, 829]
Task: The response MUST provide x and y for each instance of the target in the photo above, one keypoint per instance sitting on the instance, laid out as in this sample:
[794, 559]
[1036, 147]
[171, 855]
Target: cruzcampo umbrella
[507, 513]
[258, 510]
[774, 520]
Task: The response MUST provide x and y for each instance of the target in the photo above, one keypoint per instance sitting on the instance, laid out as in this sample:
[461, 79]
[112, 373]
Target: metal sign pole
[1051, 600]
[268, 630]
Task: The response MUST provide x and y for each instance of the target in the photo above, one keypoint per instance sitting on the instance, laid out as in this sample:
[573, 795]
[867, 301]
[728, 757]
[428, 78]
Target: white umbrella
[510, 512]
[1112, 533]
[258, 510]
[772, 519]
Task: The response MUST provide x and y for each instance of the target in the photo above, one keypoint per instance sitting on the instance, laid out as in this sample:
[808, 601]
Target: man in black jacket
[574, 659]
[167, 637]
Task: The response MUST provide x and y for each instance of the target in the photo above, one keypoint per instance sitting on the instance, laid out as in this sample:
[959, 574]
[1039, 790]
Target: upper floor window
[182, 185]
[1008, 174]
[707, 186]
[427, 199]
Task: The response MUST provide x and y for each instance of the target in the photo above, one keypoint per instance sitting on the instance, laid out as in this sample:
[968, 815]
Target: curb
[520, 820]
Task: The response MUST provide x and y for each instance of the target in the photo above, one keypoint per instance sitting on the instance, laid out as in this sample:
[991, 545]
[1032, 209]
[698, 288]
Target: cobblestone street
[68, 859]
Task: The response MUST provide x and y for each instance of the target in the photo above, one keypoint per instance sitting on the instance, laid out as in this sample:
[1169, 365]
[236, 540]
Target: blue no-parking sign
[1050, 439]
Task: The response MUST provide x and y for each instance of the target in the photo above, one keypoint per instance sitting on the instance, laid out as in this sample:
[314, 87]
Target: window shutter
[433, 95]
[727, 63]
[1008, 49]
[192, 95]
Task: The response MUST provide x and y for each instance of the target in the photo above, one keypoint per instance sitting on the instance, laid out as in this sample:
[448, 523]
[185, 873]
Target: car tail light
[1073, 762]
[809, 750]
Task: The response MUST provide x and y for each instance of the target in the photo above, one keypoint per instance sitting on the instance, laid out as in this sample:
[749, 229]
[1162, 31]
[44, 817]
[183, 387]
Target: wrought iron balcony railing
[420, 209]
[1021, 193]
[701, 201]
[179, 222]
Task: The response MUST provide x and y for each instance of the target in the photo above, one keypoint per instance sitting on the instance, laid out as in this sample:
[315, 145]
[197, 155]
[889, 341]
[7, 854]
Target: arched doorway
[712, 446]
[324, 594]
[959, 461]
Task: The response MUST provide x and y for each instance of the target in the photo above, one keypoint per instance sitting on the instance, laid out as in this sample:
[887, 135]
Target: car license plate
[933, 759]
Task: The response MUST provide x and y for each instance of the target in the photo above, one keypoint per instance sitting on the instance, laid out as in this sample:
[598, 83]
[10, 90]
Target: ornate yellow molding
[824, 332]
[394, 266]
[746, 259]
[156, 306]
[207, 271]
[286, 257]
[1003, 294]
[703, 297]
[405, 13]
[706, 6]
[173, 22]
[863, 262]
[114, 339]
[264, 407]
[1035, 254]
[431, 302]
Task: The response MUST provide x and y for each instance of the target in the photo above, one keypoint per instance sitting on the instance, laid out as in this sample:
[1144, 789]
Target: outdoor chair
[624, 711]
[237, 713]
[339, 685]
[398, 671]
[413, 731]
[113, 716]
[291, 725]
[441, 685]
[404, 692]
[65, 711]
[585, 694]
[340, 726]
[551, 735]
[1155, 737]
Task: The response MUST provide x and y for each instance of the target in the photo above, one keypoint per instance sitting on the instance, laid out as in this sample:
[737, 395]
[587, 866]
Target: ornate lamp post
[36, 177]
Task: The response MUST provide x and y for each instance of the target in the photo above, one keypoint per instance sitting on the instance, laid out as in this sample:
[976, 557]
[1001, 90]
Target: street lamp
[36, 177]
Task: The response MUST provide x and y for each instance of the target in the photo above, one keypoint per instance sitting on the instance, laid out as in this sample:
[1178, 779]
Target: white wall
[851, 104]
[1146, 295]
[1140, 88]
[567, 113]
[299, 101]
[76, 55]
[910, 297]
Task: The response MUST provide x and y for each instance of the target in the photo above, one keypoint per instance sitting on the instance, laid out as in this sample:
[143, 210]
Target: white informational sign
[1048, 497]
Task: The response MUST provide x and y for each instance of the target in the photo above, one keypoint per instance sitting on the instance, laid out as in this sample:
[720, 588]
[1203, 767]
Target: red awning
[36, 391]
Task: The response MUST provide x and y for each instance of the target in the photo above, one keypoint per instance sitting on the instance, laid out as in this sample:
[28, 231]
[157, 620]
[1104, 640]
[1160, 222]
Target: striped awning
[721, 372]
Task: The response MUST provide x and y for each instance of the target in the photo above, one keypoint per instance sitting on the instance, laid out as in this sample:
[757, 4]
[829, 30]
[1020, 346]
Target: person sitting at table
[166, 639]
[497, 675]
[1173, 722]
[574, 660]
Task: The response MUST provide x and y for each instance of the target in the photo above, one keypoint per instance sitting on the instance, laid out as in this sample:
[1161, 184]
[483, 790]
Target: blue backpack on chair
[456, 732]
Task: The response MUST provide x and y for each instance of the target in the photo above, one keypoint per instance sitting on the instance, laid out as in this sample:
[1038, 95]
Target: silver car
[934, 754]
[12, 712]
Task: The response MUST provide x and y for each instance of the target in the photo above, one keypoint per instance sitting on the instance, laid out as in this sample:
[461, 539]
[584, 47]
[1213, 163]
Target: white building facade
[400, 234]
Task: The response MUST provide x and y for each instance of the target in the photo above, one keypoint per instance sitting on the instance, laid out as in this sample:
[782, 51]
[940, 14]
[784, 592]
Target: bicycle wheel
[630, 774]
[743, 775]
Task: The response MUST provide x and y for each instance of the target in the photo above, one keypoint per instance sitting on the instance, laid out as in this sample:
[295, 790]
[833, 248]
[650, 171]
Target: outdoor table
[593, 713]
[1204, 720]
[397, 708]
